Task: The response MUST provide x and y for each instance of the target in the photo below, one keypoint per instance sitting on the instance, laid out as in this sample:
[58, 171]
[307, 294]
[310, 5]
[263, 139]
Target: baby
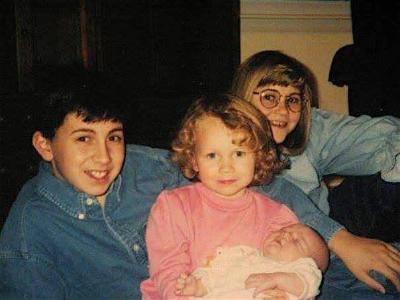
[291, 260]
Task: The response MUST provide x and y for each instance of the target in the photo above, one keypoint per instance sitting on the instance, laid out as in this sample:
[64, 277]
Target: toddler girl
[224, 145]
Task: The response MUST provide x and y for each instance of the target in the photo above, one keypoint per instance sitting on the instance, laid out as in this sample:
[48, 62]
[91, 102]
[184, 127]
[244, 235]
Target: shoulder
[145, 155]
[177, 198]
[175, 206]
[274, 209]
[265, 200]
[282, 190]
[151, 165]
[182, 193]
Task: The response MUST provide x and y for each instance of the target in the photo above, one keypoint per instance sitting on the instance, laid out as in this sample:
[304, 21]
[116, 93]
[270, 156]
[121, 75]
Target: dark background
[165, 53]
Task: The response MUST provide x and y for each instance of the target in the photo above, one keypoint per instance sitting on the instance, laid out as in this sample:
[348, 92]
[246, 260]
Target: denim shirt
[58, 243]
[345, 145]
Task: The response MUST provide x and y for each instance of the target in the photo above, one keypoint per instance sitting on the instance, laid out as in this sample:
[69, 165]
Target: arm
[301, 278]
[288, 282]
[287, 193]
[359, 146]
[152, 168]
[353, 250]
[346, 145]
[361, 255]
[167, 244]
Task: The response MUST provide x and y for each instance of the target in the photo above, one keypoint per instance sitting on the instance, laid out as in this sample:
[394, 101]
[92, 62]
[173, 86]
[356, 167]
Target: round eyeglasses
[271, 98]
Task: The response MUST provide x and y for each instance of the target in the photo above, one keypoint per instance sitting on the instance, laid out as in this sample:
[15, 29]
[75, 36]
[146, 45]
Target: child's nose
[282, 107]
[102, 153]
[226, 165]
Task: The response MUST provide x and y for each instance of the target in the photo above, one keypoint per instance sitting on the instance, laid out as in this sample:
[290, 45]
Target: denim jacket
[58, 243]
[345, 145]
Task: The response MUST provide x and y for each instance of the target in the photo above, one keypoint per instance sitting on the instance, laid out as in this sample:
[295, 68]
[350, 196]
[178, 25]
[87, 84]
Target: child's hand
[361, 255]
[261, 282]
[188, 285]
[274, 285]
[265, 287]
[273, 294]
[185, 285]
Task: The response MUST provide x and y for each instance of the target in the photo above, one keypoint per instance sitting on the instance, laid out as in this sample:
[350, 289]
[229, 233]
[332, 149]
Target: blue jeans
[340, 284]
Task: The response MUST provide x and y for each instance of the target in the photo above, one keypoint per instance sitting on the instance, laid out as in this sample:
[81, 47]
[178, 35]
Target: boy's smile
[89, 156]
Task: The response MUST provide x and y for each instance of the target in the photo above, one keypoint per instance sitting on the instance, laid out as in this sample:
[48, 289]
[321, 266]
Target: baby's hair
[277, 68]
[237, 115]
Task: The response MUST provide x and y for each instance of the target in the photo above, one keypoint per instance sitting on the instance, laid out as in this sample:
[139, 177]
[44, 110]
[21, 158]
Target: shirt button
[89, 201]
[81, 216]
[136, 247]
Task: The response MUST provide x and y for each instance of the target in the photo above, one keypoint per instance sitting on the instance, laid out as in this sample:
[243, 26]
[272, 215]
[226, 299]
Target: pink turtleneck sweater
[187, 224]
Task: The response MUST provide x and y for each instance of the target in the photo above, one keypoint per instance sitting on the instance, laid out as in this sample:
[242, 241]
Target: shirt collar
[73, 202]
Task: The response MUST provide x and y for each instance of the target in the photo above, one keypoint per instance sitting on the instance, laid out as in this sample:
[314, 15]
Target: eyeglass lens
[271, 98]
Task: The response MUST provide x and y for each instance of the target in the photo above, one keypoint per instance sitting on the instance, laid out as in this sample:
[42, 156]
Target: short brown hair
[275, 67]
[236, 114]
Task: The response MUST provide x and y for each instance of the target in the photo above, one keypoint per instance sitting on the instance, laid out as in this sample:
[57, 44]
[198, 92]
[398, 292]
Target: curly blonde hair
[237, 115]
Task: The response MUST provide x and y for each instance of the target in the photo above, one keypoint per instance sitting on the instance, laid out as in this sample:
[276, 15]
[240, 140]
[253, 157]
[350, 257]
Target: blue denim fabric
[345, 145]
[339, 283]
[290, 195]
[58, 243]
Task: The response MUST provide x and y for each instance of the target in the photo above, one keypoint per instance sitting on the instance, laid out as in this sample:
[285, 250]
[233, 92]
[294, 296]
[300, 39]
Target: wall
[311, 31]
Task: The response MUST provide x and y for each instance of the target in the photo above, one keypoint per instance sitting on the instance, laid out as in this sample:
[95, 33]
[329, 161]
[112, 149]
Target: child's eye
[269, 98]
[294, 100]
[211, 155]
[83, 139]
[240, 153]
[115, 138]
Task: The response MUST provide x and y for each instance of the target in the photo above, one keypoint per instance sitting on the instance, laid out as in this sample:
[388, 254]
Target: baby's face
[290, 243]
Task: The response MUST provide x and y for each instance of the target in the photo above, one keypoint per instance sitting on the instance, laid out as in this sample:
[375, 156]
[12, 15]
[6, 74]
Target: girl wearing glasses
[320, 143]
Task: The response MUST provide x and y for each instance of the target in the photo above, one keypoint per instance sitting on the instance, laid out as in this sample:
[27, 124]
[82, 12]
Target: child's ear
[42, 146]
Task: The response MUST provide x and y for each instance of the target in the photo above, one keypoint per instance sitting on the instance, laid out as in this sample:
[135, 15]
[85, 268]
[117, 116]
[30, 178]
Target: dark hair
[94, 96]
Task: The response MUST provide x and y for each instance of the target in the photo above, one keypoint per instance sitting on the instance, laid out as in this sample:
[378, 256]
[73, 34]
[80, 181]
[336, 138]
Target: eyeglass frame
[279, 100]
